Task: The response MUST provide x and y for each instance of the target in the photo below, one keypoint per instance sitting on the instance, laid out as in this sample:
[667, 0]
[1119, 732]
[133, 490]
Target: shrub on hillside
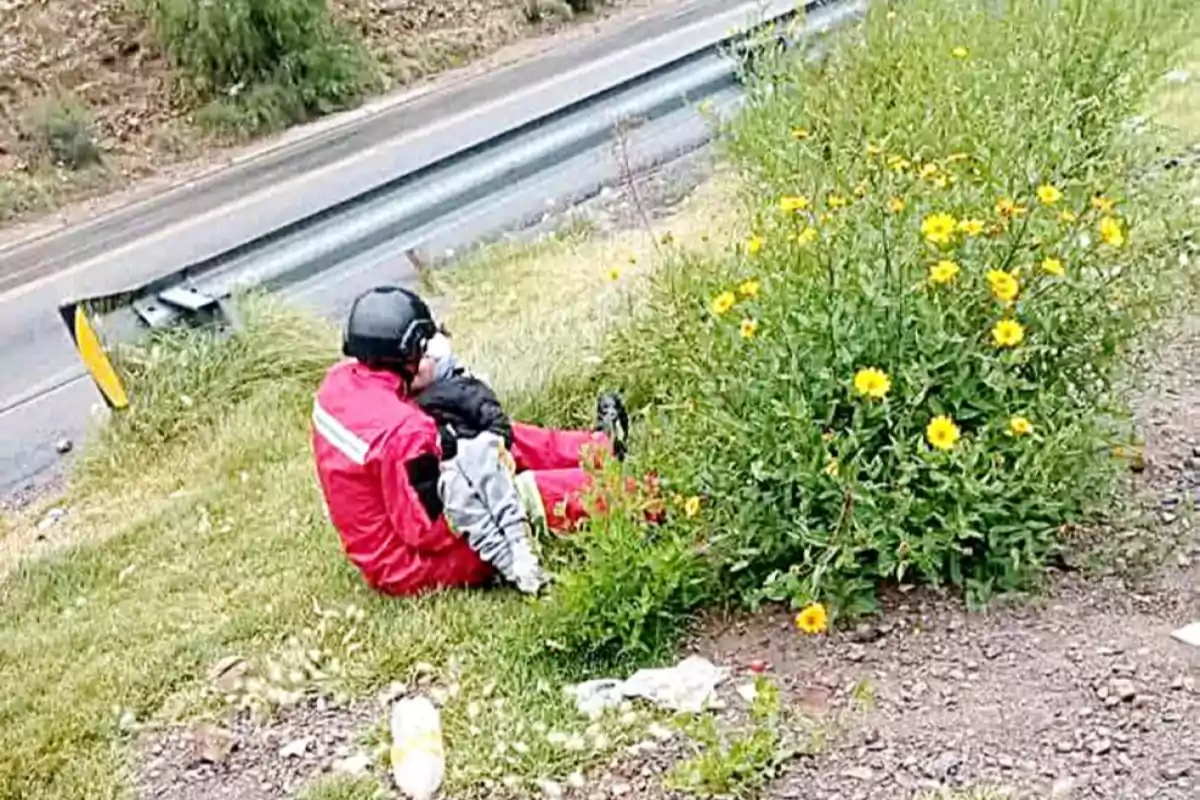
[908, 371]
[59, 130]
[260, 64]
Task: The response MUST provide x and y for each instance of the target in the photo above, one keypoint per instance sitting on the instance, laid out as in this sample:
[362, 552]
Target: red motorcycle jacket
[377, 457]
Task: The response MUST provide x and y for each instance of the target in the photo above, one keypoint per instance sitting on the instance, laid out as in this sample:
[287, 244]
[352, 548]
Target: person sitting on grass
[381, 458]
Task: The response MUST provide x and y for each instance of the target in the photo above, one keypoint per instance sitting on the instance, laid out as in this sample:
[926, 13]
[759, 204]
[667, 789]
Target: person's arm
[410, 465]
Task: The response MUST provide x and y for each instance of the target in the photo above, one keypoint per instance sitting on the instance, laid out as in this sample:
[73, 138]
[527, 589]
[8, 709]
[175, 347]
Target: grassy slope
[219, 545]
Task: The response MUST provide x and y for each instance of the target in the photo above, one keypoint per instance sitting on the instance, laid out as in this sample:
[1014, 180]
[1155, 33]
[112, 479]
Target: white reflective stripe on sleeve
[338, 435]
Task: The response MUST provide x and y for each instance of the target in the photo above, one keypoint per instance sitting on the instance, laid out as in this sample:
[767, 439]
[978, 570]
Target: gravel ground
[241, 760]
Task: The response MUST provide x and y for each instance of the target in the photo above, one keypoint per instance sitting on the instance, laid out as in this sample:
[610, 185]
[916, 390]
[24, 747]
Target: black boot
[613, 420]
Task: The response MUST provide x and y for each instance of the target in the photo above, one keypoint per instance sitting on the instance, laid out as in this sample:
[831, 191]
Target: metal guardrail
[402, 204]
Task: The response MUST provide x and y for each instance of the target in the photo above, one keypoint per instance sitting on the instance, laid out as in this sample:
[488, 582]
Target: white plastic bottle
[418, 756]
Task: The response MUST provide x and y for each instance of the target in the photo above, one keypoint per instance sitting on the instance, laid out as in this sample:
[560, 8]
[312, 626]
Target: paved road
[44, 394]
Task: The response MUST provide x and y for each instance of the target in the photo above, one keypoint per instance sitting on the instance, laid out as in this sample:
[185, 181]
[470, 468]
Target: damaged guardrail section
[323, 242]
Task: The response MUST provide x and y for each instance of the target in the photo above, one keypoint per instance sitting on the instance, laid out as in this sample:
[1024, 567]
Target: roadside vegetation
[902, 363]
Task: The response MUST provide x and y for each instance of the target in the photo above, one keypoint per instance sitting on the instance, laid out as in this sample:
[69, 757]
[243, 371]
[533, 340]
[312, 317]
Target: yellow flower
[807, 236]
[691, 506]
[960, 52]
[813, 619]
[938, 228]
[754, 245]
[1007, 208]
[955, 157]
[1053, 266]
[749, 288]
[929, 170]
[800, 134]
[1008, 333]
[899, 163]
[941, 181]
[836, 201]
[1068, 216]
[872, 382]
[793, 202]
[749, 328]
[723, 302]
[1103, 204]
[896, 205]
[1020, 426]
[861, 190]
[874, 149]
[1004, 285]
[831, 469]
[1048, 195]
[971, 227]
[944, 271]
[614, 274]
[942, 433]
[1111, 233]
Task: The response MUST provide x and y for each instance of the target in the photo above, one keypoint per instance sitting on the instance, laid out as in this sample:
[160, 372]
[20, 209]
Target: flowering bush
[907, 370]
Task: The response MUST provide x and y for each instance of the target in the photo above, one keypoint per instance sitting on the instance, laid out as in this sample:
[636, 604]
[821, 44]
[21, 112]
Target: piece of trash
[52, 518]
[1188, 634]
[688, 687]
[417, 755]
[747, 692]
[1177, 76]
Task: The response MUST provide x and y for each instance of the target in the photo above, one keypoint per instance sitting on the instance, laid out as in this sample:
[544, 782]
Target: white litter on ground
[1189, 634]
[688, 687]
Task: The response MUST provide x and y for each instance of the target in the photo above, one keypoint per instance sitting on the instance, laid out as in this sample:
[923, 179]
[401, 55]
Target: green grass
[197, 533]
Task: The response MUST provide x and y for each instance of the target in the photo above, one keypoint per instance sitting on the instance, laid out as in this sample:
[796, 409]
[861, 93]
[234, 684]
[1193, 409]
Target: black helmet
[388, 328]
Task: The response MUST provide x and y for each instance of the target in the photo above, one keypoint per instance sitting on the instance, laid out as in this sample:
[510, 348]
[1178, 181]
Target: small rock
[1062, 789]
[1100, 747]
[864, 774]
[1124, 689]
[295, 748]
[944, 765]
[63, 446]
[213, 744]
[354, 766]
[551, 789]
[1174, 772]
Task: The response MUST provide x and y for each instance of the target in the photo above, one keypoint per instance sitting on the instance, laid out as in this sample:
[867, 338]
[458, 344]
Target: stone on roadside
[354, 766]
[552, 790]
[864, 774]
[295, 748]
[1063, 789]
[213, 744]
